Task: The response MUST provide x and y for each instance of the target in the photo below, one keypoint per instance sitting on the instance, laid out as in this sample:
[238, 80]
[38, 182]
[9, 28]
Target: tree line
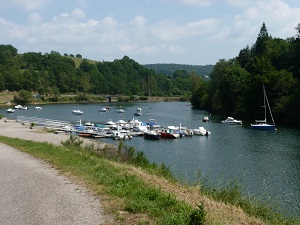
[235, 85]
[53, 74]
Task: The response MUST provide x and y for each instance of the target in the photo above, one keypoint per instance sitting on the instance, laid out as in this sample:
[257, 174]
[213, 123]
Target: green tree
[23, 97]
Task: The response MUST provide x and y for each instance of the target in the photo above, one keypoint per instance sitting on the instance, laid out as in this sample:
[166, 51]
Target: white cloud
[278, 16]
[77, 13]
[200, 3]
[139, 21]
[35, 18]
[169, 30]
[28, 5]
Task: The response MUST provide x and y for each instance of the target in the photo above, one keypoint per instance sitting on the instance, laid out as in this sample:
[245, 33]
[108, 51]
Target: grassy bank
[135, 191]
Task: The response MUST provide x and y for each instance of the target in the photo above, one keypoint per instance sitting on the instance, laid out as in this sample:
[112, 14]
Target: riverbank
[7, 99]
[217, 212]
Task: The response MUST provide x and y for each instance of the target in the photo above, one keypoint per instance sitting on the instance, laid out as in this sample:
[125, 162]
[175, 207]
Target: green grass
[98, 172]
[231, 193]
[95, 168]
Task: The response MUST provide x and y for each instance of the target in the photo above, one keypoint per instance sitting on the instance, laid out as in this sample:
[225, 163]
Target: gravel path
[33, 193]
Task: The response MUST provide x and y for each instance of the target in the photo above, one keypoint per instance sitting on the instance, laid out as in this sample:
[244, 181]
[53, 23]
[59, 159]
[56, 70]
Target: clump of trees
[235, 85]
[52, 74]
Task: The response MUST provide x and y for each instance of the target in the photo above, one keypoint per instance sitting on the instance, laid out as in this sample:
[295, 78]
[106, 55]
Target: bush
[198, 216]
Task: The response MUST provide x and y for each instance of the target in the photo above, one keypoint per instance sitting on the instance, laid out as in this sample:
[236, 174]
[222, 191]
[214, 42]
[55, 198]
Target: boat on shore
[263, 124]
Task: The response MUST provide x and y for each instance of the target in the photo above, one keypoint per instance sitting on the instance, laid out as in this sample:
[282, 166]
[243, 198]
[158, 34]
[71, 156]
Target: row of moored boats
[127, 129]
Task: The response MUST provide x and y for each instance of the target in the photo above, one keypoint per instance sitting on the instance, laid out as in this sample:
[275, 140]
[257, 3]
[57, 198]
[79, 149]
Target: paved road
[33, 193]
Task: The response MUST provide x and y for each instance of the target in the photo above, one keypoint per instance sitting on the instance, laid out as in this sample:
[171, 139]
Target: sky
[193, 32]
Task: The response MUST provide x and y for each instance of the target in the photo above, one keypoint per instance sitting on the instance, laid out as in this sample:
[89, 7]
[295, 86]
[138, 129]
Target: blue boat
[262, 124]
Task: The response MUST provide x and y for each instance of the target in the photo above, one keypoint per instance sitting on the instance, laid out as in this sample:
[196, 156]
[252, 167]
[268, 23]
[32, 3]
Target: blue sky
[195, 32]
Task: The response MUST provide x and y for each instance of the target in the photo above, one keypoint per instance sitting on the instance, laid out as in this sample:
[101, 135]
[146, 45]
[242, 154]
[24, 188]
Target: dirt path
[33, 192]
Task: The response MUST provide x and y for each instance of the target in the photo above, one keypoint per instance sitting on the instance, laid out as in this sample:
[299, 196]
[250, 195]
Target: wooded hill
[169, 69]
[235, 87]
[54, 74]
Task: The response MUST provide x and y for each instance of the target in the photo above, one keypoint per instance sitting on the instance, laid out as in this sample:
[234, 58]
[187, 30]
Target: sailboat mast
[270, 110]
[265, 108]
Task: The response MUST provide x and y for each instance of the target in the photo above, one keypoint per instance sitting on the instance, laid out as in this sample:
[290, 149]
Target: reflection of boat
[201, 131]
[152, 134]
[262, 124]
[231, 121]
[10, 110]
[77, 112]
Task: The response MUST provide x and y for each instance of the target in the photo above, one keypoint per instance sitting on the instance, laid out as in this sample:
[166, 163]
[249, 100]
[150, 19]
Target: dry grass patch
[217, 212]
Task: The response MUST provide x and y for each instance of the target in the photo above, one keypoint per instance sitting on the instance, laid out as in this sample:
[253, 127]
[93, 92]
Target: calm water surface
[267, 164]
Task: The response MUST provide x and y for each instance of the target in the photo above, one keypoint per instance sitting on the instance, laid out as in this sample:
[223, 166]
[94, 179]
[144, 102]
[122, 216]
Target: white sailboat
[262, 124]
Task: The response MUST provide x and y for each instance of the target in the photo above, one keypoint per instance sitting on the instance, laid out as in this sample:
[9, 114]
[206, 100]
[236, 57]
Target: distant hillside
[169, 69]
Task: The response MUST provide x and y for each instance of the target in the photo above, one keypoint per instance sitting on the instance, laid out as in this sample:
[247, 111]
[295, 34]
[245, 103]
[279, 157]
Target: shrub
[198, 216]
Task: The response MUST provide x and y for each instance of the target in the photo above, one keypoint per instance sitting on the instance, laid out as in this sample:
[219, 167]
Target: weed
[73, 141]
[198, 216]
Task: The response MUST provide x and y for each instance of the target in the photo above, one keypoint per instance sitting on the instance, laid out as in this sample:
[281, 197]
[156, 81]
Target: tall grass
[230, 192]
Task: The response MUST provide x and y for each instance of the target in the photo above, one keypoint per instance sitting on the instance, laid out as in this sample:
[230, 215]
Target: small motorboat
[170, 133]
[38, 108]
[231, 121]
[152, 134]
[21, 107]
[205, 119]
[77, 112]
[10, 110]
[104, 109]
[152, 123]
[120, 111]
[138, 114]
[201, 131]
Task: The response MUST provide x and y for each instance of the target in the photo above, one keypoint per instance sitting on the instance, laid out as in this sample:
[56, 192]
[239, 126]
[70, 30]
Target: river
[267, 164]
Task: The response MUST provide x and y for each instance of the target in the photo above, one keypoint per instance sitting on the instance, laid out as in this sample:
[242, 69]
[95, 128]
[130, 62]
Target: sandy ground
[32, 192]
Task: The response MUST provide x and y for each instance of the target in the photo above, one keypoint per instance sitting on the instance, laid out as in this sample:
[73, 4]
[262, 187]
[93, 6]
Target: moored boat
[231, 121]
[262, 124]
[77, 112]
[205, 119]
[170, 133]
[10, 110]
[104, 109]
[137, 114]
[201, 131]
[152, 134]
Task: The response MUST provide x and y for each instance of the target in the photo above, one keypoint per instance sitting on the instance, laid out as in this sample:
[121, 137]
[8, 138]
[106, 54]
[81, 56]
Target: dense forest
[235, 85]
[169, 69]
[53, 74]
